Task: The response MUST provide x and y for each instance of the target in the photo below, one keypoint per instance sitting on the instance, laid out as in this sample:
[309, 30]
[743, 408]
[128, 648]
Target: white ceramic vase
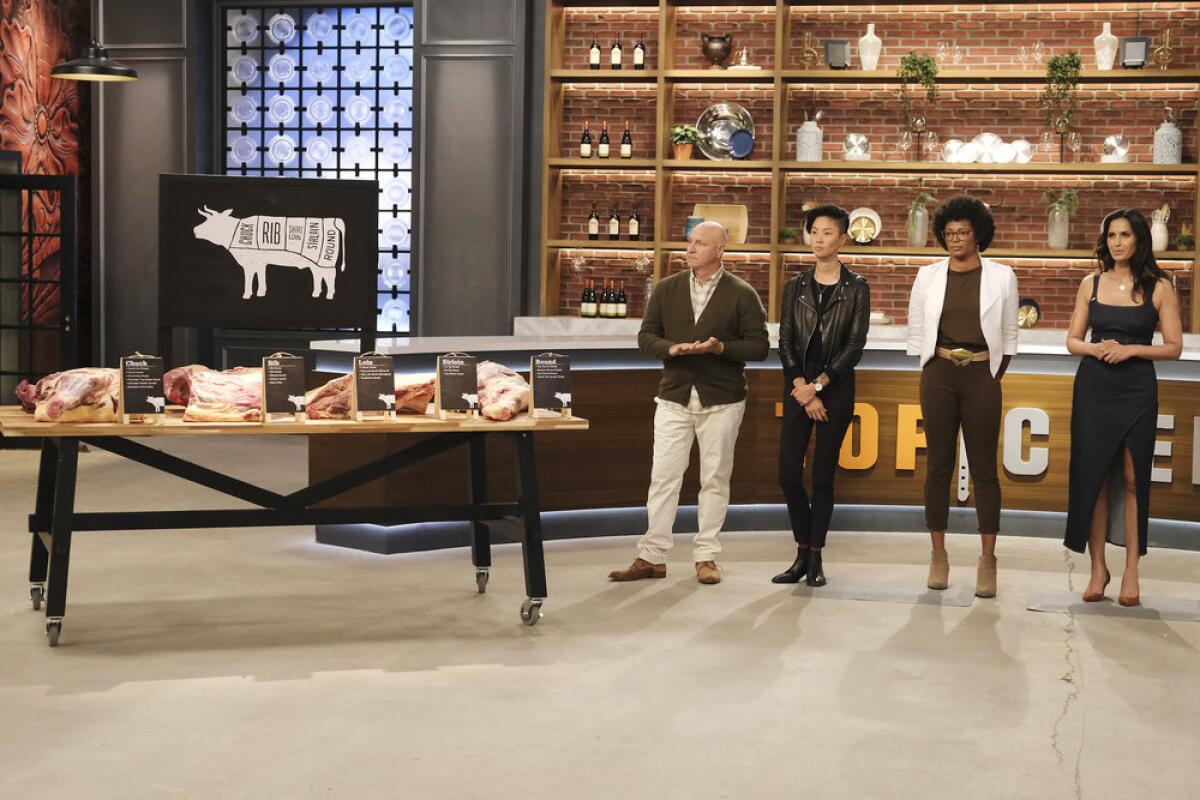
[1160, 237]
[917, 227]
[1168, 144]
[1058, 229]
[869, 48]
[1106, 48]
[810, 142]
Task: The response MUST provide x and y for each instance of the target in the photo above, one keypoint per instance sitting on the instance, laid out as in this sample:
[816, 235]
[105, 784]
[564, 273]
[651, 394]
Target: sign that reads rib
[550, 374]
[457, 389]
[283, 388]
[142, 395]
[374, 395]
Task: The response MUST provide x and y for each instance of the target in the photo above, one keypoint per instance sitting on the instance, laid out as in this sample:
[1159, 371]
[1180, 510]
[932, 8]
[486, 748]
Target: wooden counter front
[609, 464]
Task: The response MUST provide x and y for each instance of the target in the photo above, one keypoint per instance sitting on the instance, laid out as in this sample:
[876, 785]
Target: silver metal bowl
[716, 124]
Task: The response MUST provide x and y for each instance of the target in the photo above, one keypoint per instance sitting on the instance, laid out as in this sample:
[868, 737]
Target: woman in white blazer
[962, 322]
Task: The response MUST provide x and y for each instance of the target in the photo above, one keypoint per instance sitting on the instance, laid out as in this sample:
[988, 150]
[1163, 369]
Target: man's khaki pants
[675, 427]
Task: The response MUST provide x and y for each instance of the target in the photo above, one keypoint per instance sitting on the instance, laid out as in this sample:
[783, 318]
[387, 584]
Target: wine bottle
[583, 301]
[612, 300]
[594, 55]
[626, 142]
[615, 54]
[614, 225]
[635, 225]
[585, 143]
[622, 303]
[602, 151]
[602, 307]
[639, 55]
[591, 305]
[594, 224]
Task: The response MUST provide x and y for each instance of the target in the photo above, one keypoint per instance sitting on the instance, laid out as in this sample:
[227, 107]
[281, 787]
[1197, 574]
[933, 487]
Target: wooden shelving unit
[782, 82]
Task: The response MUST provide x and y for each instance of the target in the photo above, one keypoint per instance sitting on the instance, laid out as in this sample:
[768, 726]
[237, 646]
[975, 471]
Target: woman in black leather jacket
[826, 313]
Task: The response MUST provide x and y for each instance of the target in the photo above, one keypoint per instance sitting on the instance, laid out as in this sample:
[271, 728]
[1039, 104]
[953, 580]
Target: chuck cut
[89, 394]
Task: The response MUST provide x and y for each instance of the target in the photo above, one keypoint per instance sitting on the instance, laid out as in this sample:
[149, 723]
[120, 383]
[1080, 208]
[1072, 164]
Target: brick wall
[990, 35]
[750, 189]
[754, 268]
[627, 24]
[614, 104]
[577, 266]
[1052, 282]
[607, 190]
[752, 27]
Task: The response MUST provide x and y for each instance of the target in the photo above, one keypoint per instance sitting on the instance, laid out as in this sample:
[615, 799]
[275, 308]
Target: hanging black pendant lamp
[94, 65]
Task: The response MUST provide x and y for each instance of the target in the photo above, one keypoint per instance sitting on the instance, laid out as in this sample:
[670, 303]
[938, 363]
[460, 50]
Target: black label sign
[457, 387]
[550, 375]
[375, 383]
[142, 385]
[283, 385]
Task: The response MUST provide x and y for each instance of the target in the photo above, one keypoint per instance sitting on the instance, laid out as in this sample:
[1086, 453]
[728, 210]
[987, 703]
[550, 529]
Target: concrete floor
[259, 664]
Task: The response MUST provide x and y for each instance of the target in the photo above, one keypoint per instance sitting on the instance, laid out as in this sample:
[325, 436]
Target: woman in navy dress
[1114, 413]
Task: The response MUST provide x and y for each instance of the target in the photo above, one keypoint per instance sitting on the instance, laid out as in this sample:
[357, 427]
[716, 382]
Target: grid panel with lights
[326, 92]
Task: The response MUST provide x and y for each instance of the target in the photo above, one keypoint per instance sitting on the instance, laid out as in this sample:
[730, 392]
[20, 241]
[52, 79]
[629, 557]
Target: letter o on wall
[1014, 433]
[868, 439]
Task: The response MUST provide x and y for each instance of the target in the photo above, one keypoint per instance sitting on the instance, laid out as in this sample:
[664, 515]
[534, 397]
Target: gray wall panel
[467, 193]
[134, 150]
[471, 22]
[143, 24]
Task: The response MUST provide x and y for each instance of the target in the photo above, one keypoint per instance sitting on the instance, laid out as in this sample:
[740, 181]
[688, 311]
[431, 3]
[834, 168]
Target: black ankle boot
[816, 575]
[796, 572]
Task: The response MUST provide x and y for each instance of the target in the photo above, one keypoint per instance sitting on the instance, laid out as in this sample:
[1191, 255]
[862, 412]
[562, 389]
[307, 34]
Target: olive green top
[959, 325]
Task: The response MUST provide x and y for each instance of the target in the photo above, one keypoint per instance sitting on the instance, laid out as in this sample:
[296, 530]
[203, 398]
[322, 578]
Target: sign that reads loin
[283, 388]
[550, 374]
[274, 253]
[142, 395]
[374, 385]
[456, 389]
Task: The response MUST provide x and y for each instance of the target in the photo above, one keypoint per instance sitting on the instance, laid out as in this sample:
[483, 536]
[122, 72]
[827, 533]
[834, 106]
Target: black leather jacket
[843, 325]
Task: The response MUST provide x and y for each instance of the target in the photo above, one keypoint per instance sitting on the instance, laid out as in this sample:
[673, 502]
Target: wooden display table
[55, 519]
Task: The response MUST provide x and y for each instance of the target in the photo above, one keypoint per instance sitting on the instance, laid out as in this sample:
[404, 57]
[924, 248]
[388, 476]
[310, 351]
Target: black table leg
[60, 535]
[39, 556]
[531, 524]
[481, 535]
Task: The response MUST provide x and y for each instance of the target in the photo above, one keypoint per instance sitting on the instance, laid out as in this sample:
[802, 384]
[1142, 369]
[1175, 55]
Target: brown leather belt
[960, 356]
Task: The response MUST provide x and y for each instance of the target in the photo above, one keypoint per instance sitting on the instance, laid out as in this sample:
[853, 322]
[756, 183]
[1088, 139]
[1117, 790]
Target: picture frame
[837, 53]
[1135, 51]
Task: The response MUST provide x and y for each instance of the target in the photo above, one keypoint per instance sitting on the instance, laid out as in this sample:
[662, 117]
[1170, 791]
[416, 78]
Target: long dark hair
[1142, 265]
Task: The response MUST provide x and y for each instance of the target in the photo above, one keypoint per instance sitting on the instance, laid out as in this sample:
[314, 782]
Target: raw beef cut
[332, 401]
[178, 383]
[502, 393]
[76, 395]
[234, 395]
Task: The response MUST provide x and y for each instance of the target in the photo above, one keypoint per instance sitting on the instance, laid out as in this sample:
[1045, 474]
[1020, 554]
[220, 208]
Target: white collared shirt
[702, 291]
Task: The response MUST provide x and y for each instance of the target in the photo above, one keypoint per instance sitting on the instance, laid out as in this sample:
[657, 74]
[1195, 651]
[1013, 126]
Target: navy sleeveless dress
[1114, 406]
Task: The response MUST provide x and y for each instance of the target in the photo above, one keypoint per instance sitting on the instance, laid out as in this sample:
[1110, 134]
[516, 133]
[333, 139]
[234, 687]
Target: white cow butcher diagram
[564, 398]
[316, 244]
[159, 403]
[297, 400]
[472, 399]
[388, 400]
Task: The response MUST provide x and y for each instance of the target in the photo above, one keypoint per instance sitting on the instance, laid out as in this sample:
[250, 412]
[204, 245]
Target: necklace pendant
[1122, 287]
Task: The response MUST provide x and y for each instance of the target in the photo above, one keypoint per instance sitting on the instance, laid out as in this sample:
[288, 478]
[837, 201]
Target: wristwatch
[817, 387]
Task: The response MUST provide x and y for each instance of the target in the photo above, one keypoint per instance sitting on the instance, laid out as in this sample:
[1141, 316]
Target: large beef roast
[234, 395]
[502, 393]
[90, 394]
[332, 401]
[177, 383]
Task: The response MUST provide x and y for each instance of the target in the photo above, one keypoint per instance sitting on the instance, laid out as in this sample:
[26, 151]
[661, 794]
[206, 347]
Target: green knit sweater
[734, 314]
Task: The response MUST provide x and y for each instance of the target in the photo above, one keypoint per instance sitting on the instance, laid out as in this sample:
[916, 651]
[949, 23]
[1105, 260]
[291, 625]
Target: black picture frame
[323, 233]
[1135, 51]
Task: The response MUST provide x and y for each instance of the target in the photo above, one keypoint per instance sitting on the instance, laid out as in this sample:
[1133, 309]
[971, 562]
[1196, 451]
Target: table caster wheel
[481, 579]
[531, 611]
[53, 629]
[36, 595]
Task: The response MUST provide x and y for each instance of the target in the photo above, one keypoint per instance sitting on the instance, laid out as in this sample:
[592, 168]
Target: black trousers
[810, 520]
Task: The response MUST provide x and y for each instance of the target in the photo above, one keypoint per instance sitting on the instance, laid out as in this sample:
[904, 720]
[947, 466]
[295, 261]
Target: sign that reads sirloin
[457, 387]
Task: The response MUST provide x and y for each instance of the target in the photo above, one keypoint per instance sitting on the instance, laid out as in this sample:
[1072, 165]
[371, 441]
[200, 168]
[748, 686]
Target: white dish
[865, 225]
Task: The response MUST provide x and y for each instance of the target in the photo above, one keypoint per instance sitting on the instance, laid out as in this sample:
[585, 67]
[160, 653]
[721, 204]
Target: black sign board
[457, 386]
[283, 384]
[267, 253]
[142, 385]
[374, 383]
[550, 375]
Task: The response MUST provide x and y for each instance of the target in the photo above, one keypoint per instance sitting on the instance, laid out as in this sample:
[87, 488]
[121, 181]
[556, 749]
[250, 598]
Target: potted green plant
[1186, 240]
[1058, 99]
[918, 219]
[1061, 206]
[788, 236]
[683, 137]
[920, 70]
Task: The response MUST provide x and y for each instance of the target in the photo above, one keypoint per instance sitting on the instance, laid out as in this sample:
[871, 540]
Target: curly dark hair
[1143, 265]
[836, 213]
[974, 211]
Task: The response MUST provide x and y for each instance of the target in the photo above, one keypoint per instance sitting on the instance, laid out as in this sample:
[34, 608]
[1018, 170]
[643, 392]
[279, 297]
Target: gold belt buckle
[961, 356]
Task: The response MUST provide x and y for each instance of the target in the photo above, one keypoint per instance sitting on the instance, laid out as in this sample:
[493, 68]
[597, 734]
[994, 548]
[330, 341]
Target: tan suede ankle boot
[985, 578]
[939, 570]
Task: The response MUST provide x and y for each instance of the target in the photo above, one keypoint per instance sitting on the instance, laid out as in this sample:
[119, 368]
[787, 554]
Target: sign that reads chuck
[457, 389]
[267, 252]
[142, 386]
[550, 375]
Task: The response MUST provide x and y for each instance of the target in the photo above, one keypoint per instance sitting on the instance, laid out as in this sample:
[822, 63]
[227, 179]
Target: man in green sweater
[705, 324]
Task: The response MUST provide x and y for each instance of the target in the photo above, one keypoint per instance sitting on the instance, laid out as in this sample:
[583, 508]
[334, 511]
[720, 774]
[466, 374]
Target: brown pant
[953, 396]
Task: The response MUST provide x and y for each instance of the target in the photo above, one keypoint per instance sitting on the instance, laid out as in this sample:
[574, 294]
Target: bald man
[704, 324]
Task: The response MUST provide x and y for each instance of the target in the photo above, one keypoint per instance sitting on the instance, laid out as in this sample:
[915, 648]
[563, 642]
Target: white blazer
[997, 310]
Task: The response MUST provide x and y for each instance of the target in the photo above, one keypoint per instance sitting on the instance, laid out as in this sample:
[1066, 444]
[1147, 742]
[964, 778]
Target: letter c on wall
[1014, 433]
